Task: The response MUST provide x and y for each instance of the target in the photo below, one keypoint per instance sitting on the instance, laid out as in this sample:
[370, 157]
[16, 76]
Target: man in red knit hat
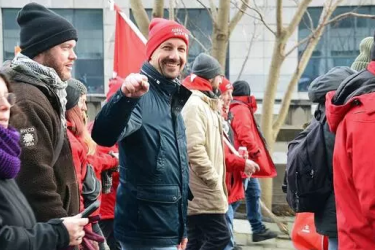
[143, 116]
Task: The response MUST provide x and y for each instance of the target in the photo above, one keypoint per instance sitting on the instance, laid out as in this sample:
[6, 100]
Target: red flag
[130, 48]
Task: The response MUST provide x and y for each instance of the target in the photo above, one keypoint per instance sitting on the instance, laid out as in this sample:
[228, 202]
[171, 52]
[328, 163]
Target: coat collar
[213, 103]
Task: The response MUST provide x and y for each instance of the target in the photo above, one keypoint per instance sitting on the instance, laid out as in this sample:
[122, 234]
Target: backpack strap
[58, 147]
[319, 115]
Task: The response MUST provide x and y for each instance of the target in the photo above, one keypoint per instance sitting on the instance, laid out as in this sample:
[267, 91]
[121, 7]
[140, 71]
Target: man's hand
[74, 226]
[183, 244]
[135, 85]
[251, 167]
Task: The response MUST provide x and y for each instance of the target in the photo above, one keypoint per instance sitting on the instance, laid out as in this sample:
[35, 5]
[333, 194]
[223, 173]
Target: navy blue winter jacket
[152, 197]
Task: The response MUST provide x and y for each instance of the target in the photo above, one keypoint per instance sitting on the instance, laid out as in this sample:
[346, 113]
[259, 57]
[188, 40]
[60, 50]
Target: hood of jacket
[352, 92]
[328, 82]
[250, 101]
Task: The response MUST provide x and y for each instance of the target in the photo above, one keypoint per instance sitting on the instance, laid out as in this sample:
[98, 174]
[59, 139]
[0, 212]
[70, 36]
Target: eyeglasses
[9, 97]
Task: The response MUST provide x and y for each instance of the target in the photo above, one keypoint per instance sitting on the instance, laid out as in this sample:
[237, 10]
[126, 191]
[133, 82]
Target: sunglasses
[10, 98]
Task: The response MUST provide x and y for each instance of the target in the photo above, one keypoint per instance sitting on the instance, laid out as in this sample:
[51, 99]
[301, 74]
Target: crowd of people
[169, 159]
[345, 96]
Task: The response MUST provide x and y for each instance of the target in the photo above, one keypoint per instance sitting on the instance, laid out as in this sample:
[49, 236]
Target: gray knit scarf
[49, 76]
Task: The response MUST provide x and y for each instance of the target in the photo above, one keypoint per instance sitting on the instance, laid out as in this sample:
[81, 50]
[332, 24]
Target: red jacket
[108, 201]
[101, 162]
[246, 134]
[235, 165]
[107, 207]
[79, 153]
[353, 170]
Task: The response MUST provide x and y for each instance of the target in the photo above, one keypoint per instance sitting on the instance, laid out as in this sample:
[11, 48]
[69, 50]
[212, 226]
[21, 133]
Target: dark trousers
[107, 229]
[207, 232]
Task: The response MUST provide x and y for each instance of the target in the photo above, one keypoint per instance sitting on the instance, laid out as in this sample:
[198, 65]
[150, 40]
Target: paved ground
[242, 232]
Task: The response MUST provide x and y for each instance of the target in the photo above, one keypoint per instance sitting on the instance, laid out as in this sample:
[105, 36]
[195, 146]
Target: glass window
[199, 23]
[339, 45]
[89, 67]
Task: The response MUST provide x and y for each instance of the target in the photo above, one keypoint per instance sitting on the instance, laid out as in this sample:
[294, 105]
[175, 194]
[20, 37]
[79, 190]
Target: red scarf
[194, 82]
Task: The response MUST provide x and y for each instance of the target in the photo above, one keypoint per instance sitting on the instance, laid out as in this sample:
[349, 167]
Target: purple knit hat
[10, 151]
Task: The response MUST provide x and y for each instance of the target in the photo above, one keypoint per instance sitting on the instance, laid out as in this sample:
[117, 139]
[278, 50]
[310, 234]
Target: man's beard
[49, 61]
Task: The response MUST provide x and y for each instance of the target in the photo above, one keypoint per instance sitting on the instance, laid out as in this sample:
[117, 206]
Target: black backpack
[308, 179]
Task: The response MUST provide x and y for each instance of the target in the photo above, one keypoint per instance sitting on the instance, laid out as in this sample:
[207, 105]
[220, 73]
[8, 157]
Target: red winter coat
[103, 162]
[246, 134]
[235, 165]
[107, 207]
[353, 169]
[79, 153]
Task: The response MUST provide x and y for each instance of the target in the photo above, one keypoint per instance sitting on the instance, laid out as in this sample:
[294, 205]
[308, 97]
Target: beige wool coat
[204, 135]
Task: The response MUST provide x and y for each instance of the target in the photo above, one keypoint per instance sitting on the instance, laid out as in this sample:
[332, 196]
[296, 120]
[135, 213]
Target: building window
[89, 67]
[339, 45]
[199, 23]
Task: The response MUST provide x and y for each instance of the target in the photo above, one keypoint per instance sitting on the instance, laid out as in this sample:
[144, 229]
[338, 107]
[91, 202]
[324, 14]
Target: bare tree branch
[306, 55]
[311, 25]
[196, 39]
[213, 10]
[237, 17]
[186, 13]
[261, 17]
[200, 44]
[244, 12]
[171, 9]
[251, 42]
[298, 16]
[312, 34]
[157, 9]
[140, 16]
[209, 12]
[349, 14]
[279, 17]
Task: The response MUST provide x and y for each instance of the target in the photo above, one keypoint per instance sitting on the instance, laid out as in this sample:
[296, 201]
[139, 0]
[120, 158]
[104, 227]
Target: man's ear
[39, 58]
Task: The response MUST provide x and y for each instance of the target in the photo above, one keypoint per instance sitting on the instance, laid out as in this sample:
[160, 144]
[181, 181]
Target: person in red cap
[238, 168]
[144, 118]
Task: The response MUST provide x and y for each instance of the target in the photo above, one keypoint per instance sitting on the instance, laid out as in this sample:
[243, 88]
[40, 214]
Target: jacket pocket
[71, 199]
[160, 162]
[67, 198]
[158, 210]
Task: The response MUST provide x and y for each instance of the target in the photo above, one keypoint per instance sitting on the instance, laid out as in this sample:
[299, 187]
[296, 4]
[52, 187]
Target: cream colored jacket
[206, 156]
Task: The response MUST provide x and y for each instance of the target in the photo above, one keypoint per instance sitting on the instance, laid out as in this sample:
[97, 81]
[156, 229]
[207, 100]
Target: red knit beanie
[225, 85]
[160, 30]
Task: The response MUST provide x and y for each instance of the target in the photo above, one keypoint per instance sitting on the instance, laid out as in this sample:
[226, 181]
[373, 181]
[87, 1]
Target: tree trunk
[140, 16]
[220, 35]
[158, 9]
[325, 16]
[267, 111]
[171, 10]
[219, 46]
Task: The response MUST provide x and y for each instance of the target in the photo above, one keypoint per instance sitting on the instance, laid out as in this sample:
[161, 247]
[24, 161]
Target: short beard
[49, 61]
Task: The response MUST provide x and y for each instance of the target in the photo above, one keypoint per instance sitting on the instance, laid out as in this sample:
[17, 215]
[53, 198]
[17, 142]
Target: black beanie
[241, 88]
[42, 29]
[206, 66]
[72, 96]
